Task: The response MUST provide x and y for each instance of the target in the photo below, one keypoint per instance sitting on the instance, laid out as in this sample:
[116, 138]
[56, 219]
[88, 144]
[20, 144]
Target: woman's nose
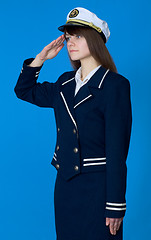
[71, 41]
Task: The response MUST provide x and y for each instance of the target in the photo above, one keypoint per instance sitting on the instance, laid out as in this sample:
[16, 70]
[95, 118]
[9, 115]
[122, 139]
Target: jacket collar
[78, 75]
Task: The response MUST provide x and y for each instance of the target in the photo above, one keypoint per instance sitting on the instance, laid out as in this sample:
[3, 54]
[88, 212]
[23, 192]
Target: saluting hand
[50, 51]
[114, 224]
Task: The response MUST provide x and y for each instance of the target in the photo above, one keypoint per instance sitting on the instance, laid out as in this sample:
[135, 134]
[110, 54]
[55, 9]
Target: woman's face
[77, 47]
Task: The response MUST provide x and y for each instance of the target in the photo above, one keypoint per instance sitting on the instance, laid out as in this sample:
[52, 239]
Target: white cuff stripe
[116, 204]
[89, 164]
[54, 158]
[116, 209]
[93, 159]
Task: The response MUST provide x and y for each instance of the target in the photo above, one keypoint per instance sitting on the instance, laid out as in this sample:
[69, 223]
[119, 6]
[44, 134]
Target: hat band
[86, 23]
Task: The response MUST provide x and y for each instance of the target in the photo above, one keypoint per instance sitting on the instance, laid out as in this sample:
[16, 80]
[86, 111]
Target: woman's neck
[87, 65]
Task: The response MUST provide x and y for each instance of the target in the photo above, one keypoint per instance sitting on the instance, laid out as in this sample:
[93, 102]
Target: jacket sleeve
[118, 121]
[27, 88]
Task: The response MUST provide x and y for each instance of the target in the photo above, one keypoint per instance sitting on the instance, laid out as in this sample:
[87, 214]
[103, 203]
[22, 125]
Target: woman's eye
[67, 39]
[78, 36]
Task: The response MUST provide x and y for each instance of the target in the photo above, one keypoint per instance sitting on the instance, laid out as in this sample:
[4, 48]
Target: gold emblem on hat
[74, 13]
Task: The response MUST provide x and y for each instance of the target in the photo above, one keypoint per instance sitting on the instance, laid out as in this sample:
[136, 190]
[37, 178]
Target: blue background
[28, 133]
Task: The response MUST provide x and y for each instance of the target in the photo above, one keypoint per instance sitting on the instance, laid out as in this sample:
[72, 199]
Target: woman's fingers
[114, 224]
[107, 221]
[112, 230]
[52, 49]
[59, 48]
[58, 40]
[118, 224]
[55, 43]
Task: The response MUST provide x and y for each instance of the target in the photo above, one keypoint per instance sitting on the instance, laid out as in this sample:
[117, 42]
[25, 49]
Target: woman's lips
[73, 50]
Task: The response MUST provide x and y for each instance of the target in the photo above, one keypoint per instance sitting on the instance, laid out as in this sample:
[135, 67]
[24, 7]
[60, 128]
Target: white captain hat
[82, 17]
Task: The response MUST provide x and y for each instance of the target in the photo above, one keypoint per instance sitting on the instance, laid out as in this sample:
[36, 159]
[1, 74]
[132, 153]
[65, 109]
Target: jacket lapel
[82, 95]
[85, 93]
[67, 93]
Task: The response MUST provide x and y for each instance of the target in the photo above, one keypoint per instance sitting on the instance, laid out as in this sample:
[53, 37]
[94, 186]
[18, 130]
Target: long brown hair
[96, 47]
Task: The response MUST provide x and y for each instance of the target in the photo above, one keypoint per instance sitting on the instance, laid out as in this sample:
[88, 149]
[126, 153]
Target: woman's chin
[74, 59]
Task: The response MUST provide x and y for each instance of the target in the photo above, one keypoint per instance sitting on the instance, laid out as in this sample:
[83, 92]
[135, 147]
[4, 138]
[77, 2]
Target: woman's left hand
[114, 224]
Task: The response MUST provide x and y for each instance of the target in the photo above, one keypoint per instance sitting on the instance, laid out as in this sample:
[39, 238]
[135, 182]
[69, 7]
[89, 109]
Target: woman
[93, 117]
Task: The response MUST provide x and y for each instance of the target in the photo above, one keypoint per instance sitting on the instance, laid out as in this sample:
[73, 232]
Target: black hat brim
[61, 28]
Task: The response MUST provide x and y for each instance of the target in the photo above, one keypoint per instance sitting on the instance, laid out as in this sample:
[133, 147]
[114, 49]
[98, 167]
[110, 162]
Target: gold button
[58, 129]
[76, 168]
[57, 147]
[74, 131]
[75, 150]
[57, 166]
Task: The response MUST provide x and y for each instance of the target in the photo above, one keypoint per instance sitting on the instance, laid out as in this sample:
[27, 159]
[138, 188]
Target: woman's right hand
[50, 51]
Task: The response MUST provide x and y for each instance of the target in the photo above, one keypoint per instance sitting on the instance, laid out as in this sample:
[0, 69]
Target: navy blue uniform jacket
[93, 128]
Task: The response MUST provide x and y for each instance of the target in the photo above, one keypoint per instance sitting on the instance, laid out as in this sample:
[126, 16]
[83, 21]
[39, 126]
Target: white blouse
[79, 82]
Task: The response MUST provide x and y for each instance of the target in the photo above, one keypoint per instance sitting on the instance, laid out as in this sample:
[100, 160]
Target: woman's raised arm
[27, 87]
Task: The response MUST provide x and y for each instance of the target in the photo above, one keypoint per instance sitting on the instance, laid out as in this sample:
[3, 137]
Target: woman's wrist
[37, 62]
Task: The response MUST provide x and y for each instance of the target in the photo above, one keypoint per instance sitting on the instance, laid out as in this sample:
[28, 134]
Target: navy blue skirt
[79, 205]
